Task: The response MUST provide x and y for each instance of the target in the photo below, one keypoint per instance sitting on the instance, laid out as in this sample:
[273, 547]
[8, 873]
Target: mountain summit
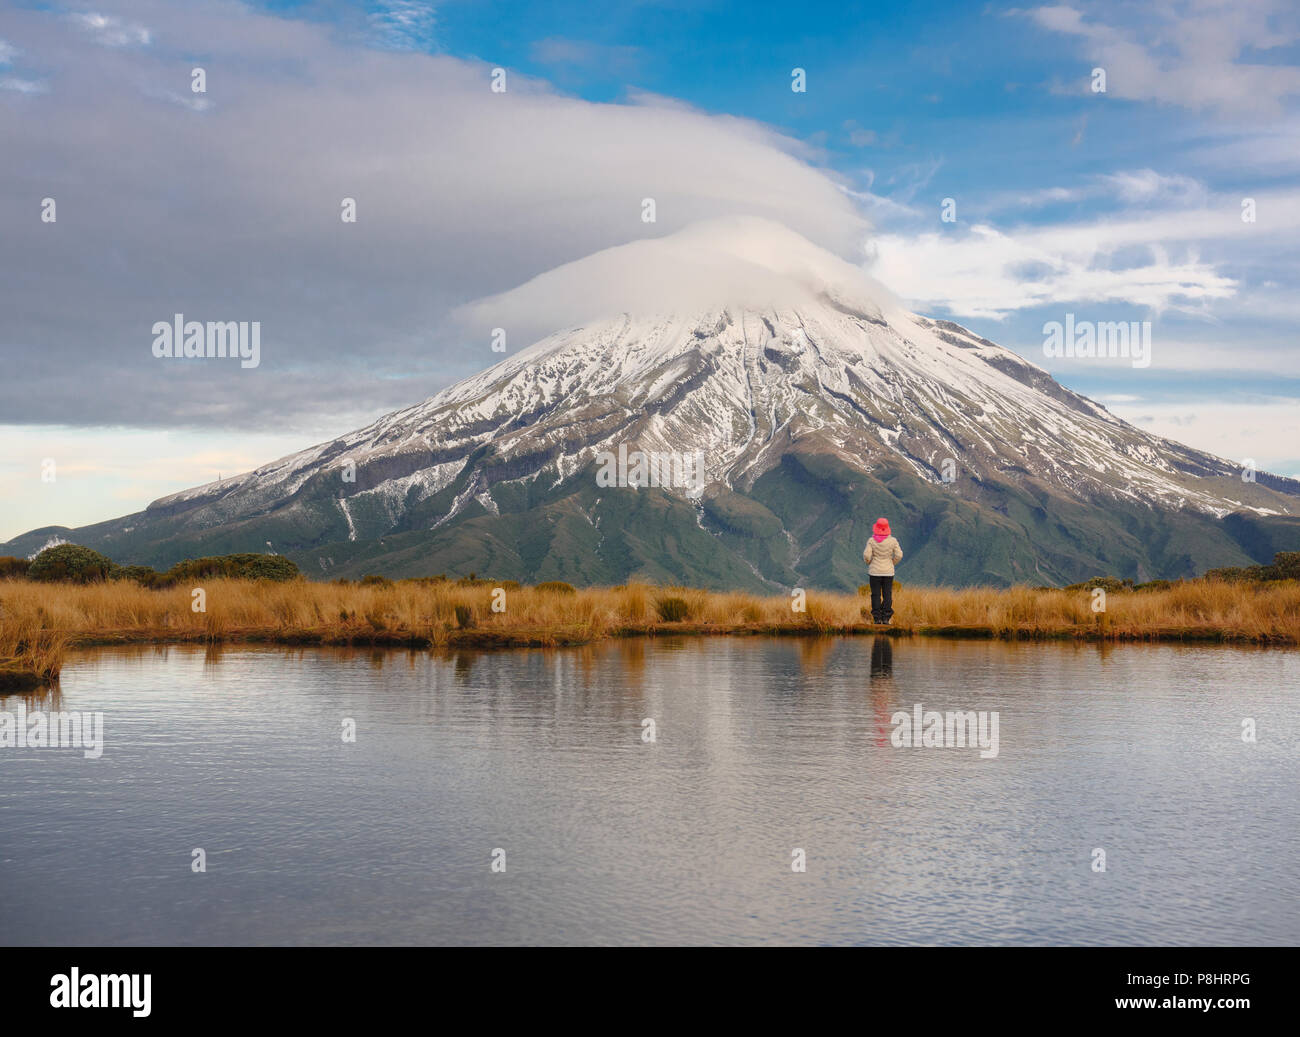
[815, 401]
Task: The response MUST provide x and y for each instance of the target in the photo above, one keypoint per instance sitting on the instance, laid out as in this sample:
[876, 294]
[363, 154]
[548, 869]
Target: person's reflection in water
[882, 657]
[882, 685]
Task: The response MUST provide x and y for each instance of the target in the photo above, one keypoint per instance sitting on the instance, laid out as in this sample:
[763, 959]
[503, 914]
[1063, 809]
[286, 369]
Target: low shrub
[1109, 584]
[236, 567]
[70, 563]
[13, 568]
[141, 574]
[1287, 565]
[556, 587]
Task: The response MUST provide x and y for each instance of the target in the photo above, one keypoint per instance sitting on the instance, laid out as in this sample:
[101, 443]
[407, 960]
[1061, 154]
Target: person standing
[881, 554]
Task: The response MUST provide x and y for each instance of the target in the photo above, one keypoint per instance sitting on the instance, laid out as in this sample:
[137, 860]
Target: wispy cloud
[1145, 256]
[990, 273]
[403, 24]
[1262, 430]
[859, 136]
[23, 86]
[1145, 187]
[111, 31]
[559, 51]
[1197, 55]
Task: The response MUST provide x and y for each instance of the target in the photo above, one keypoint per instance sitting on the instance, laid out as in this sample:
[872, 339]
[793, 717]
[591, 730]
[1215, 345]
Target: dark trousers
[882, 598]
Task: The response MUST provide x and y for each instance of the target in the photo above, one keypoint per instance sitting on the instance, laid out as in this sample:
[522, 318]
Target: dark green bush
[13, 568]
[1285, 566]
[1107, 583]
[1154, 585]
[375, 580]
[71, 563]
[672, 610]
[556, 587]
[140, 574]
[235, 567]
[267, 567]
[464, 617]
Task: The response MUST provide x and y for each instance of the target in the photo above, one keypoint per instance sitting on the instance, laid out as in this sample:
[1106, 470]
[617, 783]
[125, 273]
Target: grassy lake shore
[39, 622]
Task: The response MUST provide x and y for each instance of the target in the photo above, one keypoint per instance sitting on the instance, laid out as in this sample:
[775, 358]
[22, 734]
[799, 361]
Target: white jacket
[882, 555]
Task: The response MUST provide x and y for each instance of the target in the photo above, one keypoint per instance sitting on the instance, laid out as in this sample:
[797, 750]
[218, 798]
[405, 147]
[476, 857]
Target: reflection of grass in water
[46, 699]
[39, 621]
[31, 646]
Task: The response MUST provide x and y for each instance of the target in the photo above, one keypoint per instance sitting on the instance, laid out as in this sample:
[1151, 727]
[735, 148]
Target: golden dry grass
[31, 650]
[38, 621]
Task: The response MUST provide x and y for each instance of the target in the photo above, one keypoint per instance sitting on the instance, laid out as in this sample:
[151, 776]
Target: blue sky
[1122, 205]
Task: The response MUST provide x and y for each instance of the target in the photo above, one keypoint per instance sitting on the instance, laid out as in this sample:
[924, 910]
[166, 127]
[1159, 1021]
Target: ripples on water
[763, 746]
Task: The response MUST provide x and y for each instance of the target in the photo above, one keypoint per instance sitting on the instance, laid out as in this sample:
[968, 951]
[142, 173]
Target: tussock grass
[38, 621]
[31, 651]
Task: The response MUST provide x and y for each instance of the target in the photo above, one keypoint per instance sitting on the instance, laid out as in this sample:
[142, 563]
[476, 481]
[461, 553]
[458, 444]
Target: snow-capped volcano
[817, 401]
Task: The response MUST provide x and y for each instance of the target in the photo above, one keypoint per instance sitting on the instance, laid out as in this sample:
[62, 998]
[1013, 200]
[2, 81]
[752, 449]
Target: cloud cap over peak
[743, 261]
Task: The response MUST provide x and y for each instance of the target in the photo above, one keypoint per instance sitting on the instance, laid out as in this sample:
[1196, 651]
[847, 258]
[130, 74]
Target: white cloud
[116, 471]
[1196, 55]
[111, 31]
[1145, 187]
[22, 86]
[741, 261]
[1149, 257]
[233, 213]
[987, 273]
[1172, 352]
[1264, 430]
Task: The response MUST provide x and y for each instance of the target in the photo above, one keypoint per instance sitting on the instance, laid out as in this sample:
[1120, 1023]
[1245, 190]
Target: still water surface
[762, 746]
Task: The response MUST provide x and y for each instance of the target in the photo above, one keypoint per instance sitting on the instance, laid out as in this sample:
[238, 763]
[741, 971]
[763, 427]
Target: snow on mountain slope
[739, 340]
